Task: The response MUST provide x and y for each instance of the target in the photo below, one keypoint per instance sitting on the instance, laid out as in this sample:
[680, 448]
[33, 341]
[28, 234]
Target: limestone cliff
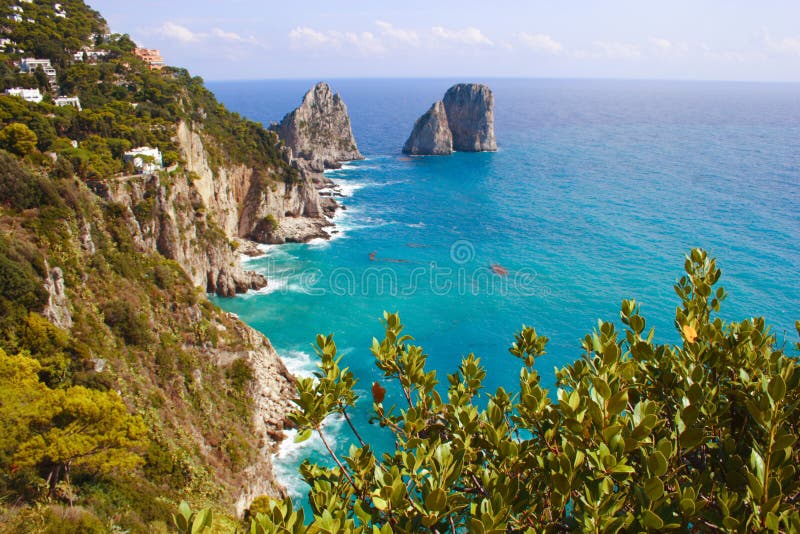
[171, 219]
[431, 134]
[319, 131]
[252, 203]
[194, 216]
[470, 113]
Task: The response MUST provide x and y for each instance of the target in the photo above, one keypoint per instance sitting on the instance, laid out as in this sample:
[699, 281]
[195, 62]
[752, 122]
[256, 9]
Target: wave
[265, 249]
[299, 363]
[273, 285]
[290, 454]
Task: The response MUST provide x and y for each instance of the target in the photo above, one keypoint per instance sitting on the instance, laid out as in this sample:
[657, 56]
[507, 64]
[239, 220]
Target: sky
[261, 39]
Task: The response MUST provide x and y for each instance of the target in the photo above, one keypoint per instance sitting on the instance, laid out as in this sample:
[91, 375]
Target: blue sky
[677, 39]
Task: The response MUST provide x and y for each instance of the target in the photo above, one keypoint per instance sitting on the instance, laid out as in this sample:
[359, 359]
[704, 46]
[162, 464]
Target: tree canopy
[639, 436]
[53, 431]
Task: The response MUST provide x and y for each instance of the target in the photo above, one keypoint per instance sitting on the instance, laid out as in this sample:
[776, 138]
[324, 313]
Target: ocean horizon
[598, 190]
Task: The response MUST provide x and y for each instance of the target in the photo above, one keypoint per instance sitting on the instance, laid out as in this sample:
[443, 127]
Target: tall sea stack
[463, 121]
[470, 113]
[319, 130]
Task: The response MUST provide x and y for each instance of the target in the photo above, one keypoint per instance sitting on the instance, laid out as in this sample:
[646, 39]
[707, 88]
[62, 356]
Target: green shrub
[639, 436]
[71, 520]
[127, 322]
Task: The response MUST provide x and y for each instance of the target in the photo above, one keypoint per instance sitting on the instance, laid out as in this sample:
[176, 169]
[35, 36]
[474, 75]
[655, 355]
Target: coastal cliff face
[171, 219]
[318, 132]
[470, 113]
[431, 134]
[251, 203]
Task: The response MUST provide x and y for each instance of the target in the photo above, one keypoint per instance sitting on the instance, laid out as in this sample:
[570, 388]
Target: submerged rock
[470, 113]
[431, 134]
[319, 130]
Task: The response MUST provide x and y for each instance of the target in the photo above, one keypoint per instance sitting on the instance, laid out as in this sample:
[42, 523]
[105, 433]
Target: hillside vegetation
[124, 390]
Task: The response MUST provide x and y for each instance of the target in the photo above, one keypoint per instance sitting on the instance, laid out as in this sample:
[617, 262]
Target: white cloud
[171, 30]
[541, 42]
[365, 42]
[304, 37]
[669, 49]
[611, 50]
[409, 37]
[786, 45]
[662, 44]
[467, 36]
[232, 36]
[308, 37]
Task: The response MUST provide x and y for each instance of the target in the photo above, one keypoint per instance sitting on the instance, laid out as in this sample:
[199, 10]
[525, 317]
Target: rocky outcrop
[319, 131]
[470, 113]
[272, 390]
[57, 308]
[431, 134]
[467, 116]
[172, 220]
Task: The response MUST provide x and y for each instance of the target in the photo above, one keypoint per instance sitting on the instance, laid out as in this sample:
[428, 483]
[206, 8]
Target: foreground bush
[640, 437]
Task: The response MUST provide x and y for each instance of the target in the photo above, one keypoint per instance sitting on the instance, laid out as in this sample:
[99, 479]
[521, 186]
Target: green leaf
[201, 521]
[692, 437]
[730, 523]
[561, 483]
[602, 387]
[302, 436]
[776, 388]
[651, 520]
[657, 463]
[618, 402]
[654, 489]
[436, 500]
[379, 503]
[757, 463]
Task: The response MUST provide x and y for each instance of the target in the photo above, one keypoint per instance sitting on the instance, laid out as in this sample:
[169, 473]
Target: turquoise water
[598, 190]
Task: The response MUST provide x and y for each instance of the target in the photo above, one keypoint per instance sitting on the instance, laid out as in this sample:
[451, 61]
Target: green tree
[697, 436]
[55, 431]
[18, 138]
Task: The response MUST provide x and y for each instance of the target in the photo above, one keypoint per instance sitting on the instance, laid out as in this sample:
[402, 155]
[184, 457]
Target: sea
[597, 192]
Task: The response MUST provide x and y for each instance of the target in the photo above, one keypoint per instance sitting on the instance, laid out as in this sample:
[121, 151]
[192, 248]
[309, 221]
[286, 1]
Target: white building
[145, 159]
[68, 101]
[90, 54]
[30, 64]
[31, 95]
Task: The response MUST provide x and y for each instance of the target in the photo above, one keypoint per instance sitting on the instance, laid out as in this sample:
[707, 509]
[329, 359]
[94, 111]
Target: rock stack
[463, 121]
[319, 130]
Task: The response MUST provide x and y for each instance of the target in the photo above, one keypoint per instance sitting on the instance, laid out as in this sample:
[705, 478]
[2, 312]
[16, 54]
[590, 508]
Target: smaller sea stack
[431, 134]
